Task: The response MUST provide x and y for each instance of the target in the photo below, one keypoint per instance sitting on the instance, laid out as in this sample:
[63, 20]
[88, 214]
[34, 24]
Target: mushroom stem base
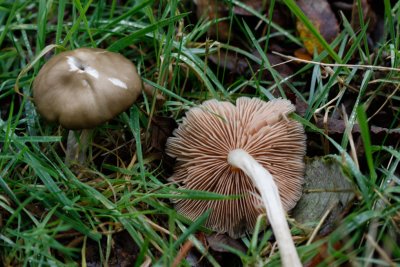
[77, 147]
[265, 184]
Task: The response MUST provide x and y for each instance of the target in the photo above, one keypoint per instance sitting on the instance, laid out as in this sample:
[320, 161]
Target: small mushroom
[83, 88]
[250, 149]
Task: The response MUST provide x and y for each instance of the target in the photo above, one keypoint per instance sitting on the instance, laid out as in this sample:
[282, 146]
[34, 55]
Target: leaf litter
[328, 193]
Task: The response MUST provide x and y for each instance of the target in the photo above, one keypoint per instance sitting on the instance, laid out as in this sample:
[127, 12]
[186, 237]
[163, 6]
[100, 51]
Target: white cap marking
[118, 82]
[75, 65]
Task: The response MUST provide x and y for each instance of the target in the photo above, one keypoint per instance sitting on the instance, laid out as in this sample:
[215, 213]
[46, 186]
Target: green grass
[50, 212]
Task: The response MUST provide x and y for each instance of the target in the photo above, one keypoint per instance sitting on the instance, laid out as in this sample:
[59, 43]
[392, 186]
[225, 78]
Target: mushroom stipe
[249, 149]
[83, 88]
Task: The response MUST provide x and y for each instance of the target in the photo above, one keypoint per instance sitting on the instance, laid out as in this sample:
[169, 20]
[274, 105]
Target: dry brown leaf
[369, 15]
[218, 242]
[323, 19]
[257, 5]
[236, 64]
[323, 254]
[325, 187]
[212, 10]
[161, 128]
[303, 54]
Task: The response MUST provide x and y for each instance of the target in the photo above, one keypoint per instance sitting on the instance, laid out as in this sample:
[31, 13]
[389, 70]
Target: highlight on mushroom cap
[201, 145]
[85, 87]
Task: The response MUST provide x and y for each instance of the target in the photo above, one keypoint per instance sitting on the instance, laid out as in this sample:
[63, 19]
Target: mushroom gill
[201, 145]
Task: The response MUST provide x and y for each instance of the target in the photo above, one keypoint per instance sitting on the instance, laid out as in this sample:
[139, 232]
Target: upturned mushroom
[250, 149]
[85, 87]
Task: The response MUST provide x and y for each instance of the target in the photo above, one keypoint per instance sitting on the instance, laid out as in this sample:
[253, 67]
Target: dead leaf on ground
[302, 54]
[276, 62]
[334, 126]
[219, 242]
[214, 244]
[338, 126]
[213, 10]
[323, 19]
[237, 64]
[327, 191]
[323, 255]
[326, 188]
[368, 14]
[230, 61]
[160, 129]
[257, 5]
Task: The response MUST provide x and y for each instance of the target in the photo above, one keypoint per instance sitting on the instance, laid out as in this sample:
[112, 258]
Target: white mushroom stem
[77, 148]
[265, 184]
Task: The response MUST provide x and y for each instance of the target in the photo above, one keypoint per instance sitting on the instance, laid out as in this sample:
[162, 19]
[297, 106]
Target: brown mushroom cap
[203, 141]
[85, 87]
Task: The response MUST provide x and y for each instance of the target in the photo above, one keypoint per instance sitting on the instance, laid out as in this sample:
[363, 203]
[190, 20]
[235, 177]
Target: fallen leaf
[323, 19]
[213, 244]
[276, 62]
[213, 10]
[338, 126]
[218, 242]
[237, 64]
[257, 5]
[160, 129]
[301, 106]
[335, 125]
[326, 188]
[323, 255]
[302, 54]
[230, 61]
[368, 15]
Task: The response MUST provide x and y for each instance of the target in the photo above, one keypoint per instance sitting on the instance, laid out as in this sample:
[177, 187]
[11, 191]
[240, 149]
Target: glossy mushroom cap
[201, 146]
[86, 87]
